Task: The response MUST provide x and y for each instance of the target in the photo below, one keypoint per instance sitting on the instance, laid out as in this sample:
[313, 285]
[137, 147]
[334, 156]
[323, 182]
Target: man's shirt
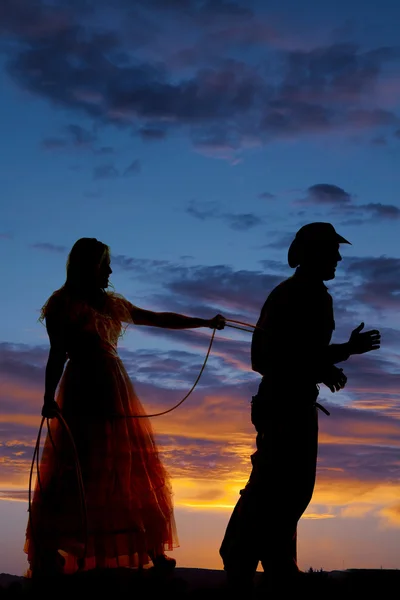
[297, 320]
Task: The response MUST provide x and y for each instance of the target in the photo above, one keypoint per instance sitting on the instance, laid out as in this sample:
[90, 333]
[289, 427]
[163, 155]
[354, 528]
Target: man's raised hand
[359, 343]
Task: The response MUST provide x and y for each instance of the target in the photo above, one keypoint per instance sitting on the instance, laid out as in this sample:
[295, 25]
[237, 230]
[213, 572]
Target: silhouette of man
[293, 353]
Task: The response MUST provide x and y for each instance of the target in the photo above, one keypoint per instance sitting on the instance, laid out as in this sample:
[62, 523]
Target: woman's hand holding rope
[50, 409]
[217, 322]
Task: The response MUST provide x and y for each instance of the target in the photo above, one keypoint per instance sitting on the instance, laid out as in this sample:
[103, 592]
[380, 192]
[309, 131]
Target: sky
[195, 137]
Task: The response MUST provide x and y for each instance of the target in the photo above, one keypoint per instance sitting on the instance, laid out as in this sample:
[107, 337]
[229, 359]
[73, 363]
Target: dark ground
[196, 584]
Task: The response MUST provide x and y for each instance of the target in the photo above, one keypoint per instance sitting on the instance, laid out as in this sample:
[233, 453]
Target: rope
[164, 412]
[37, 445]
[35, 459]
[227, 321]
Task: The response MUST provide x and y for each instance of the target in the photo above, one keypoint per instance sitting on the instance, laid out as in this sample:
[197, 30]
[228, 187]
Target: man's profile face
[322, 260]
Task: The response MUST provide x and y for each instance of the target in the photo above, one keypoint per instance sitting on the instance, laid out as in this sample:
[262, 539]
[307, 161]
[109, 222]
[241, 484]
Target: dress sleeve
[123, 310]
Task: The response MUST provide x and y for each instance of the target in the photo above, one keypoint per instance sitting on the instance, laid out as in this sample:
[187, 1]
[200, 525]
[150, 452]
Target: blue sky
[195, 138]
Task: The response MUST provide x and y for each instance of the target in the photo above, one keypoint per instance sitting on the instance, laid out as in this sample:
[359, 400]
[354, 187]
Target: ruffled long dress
[127, 493]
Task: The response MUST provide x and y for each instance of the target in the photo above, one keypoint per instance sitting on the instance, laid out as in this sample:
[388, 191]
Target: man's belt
[318, 405]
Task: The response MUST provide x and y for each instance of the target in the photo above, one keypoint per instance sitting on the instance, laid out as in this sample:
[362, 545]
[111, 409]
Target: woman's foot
[163, 563]
[48, 563]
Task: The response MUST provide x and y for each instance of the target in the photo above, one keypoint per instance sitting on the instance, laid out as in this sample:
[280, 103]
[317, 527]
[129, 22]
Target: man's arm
[358, 343]
[289, 343]
[336, 353]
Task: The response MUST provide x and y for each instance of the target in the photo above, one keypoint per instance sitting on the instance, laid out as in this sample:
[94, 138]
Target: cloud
[266, 196]
[240, 292]
[152, 134]
[81, 136]
[23, 18]
[342, 70]
[224, 105]
[142, 266]
[107, 171]
[342, 203]
[205, 289]
[243, 222]
[105, 150]
[203, 211]
[210, 210]
[379, 285]
[215, 140]
[199, 10]
[133, 169]
[326, 193]
[14, 495]
[48, 247]
[381, 211]
[53, 143]
[75, 137]
[374, 213]
[379, 140]
[178, 369]
[280, 241]
[321, 88]
[110, 171]
[225, 9]
[363, 289]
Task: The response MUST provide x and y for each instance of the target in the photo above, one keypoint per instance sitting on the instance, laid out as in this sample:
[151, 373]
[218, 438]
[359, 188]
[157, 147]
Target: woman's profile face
[104, 272]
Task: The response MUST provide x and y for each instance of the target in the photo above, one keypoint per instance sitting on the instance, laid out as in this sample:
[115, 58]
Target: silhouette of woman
[130, 519]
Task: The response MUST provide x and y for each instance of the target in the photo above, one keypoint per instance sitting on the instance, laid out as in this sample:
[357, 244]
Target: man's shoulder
[296, 291]
[294, 284]
[284, 289]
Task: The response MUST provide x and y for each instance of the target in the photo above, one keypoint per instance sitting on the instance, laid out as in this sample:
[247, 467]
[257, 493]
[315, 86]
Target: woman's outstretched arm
[169, 320]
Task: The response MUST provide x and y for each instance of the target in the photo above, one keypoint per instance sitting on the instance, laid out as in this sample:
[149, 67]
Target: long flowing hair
[84, 260]
[83, 263]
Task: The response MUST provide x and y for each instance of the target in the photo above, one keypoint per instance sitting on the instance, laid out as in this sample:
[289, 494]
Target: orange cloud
[18, 392]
